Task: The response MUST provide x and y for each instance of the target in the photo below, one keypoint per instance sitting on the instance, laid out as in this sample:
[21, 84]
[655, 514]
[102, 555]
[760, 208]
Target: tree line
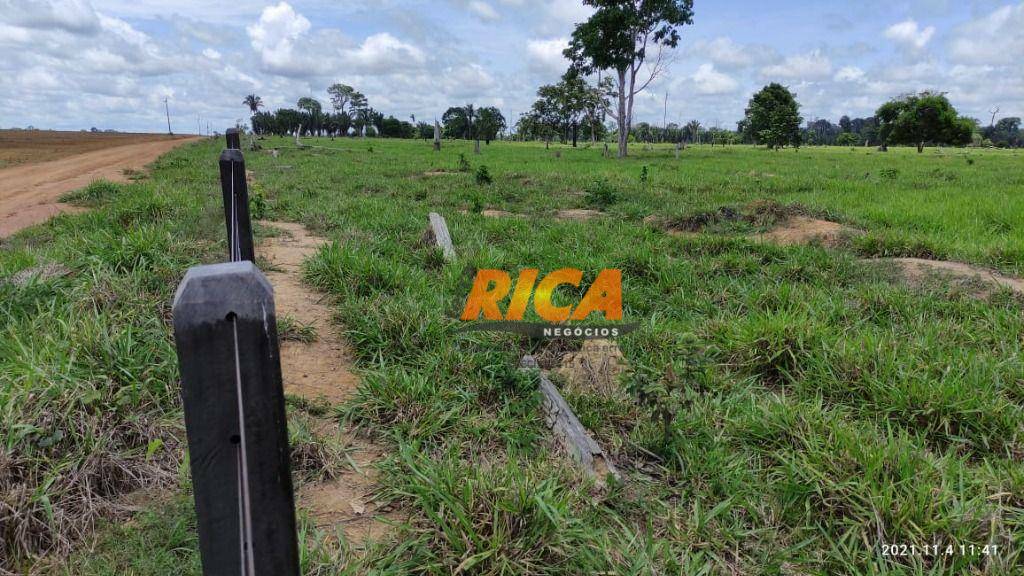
[924, 119]
[353, 116]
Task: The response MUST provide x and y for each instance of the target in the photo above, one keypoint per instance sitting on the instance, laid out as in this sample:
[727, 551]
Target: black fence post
[233, 138]
[236, 206]
[226, 336]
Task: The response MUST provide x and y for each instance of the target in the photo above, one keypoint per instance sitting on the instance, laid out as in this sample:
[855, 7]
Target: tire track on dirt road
[30, 193]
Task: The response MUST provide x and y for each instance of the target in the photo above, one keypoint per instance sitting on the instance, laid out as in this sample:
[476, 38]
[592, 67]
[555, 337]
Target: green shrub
[601, 193]
[483, 176]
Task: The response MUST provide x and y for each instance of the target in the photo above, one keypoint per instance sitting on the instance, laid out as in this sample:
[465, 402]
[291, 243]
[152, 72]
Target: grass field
[822, 406]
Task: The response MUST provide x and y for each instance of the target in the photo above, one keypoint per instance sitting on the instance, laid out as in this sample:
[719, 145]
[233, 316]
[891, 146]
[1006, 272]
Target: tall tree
[922, 118]
[845, 124]
[1005, 133]
[459, 122]
[345, 98]
[490, 122]
[619, 37]
[254, 103]
[773, 117]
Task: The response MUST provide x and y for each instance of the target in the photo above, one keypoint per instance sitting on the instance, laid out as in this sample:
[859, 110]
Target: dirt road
[30, 193]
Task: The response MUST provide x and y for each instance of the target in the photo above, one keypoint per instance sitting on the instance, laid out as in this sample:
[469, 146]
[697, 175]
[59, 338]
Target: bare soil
[18, 147]
[577, 214]
[322, 371]
[803, 230]
[594, 369]
[917, 270]
[30, 192]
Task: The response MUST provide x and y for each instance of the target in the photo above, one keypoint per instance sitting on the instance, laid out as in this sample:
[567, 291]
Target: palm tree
[254, 103]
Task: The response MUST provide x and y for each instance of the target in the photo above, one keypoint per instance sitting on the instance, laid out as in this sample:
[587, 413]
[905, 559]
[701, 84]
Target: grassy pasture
[826, 406]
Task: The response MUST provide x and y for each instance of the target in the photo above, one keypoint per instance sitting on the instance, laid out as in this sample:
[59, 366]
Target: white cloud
[383, 53]
[467, 81]
[710, 81]
[849, 74]
[910, 34]
[484, 11]
[38, 79]
[810, 66]
[997, 38]
[211, 54]
[724, 52]
[275, 34]
[75, 16]
[545, 56]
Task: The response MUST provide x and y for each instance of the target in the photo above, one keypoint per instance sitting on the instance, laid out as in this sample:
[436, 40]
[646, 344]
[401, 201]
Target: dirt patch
[29, 193]
[319, 371]
[20, 147]
[438, 172]
[500, 214]
[918, 270]
[40, 273]
[594, 369]
[577, 214]
[799, 230]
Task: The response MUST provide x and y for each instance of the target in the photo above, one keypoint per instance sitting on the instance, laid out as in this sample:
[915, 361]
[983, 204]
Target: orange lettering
[546, 289]
[484, 298]
[605, 294]
[521, 295]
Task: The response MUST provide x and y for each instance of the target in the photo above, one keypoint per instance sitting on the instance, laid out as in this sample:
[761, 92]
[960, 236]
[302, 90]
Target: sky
[110, 64]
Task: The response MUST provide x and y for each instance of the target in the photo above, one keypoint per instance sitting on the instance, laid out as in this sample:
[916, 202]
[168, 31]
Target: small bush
[889, 173]
[257, 205]
[601, 193]
[464, 164]
[483, 176]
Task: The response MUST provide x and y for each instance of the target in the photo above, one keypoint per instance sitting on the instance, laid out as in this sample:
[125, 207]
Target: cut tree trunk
[623, 120]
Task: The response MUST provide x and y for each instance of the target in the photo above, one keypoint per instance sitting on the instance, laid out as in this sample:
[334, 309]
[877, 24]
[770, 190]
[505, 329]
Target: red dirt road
[30, 193]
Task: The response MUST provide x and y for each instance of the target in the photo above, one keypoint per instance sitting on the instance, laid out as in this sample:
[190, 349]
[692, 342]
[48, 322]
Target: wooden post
[234, 140]
[570, 431]
[236, 206]
[439, 228]
[437, 136]
[225, 331]
[476, 147]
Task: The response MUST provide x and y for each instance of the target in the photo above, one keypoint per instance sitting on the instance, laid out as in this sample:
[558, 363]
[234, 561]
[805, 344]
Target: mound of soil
[799, 230]
[594, 369]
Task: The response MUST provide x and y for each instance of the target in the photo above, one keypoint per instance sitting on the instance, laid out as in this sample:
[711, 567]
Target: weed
[601, 193]
[291, 330]
[483, 176]
[257, 204]
[464, 164]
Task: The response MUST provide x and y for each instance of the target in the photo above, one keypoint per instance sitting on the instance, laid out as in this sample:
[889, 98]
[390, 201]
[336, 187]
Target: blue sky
[73, 64]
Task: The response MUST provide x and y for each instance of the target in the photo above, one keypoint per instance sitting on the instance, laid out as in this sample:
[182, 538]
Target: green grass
[834, 408]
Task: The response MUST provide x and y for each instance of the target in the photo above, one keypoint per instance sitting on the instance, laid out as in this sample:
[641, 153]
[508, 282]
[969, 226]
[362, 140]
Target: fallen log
[570, 431]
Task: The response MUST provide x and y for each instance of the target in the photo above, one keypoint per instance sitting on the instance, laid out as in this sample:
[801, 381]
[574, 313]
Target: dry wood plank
[440, 230]
[560, 418]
